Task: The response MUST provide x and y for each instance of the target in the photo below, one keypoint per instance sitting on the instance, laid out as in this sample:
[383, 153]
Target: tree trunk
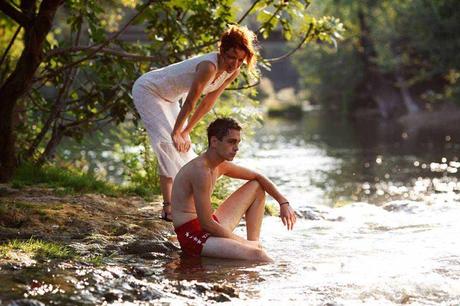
[20, 81]
[56, 137]
[411, 106]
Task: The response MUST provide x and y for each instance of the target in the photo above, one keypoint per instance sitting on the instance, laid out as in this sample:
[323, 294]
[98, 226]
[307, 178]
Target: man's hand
[287, 215]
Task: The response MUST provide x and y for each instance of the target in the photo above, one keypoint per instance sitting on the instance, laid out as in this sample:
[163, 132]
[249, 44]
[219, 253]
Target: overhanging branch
[286, 55]
[97, 47]
[14, 13]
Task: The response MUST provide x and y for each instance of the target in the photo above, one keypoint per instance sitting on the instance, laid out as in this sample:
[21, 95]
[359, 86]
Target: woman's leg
[166, 188]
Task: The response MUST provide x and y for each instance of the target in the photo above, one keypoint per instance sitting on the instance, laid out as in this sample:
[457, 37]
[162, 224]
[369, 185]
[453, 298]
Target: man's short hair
[220, 128]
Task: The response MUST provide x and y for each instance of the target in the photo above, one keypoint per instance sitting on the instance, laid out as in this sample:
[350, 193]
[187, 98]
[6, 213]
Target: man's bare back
[184, 205]
[201, 231]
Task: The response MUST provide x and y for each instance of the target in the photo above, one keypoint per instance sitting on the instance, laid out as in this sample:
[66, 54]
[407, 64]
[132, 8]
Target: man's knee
[257, 188]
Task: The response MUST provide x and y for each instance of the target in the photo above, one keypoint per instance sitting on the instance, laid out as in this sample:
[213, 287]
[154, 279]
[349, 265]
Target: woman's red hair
[243, 38]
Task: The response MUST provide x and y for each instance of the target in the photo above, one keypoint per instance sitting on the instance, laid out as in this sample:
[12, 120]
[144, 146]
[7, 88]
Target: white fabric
[173, 82]
[156, 96]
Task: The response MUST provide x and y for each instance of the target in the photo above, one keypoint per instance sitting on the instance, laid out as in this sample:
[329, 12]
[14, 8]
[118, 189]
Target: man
[202, 231]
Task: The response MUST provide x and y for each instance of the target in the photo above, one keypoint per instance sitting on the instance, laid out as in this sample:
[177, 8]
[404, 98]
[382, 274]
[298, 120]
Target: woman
[157, 93]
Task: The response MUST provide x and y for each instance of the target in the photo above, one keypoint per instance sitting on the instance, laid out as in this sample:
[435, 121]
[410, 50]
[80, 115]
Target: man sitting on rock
[202, 231]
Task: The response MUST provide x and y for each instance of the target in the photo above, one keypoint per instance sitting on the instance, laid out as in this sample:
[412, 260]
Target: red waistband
[194, 222]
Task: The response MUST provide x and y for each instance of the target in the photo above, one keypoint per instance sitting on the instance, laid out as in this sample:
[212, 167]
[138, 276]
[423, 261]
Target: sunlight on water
[382, 229]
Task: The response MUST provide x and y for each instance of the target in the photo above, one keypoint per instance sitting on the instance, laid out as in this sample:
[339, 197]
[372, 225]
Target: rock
[220, 298]
[148, 294]
[25, 302]
[228, 290]
[111, 297]
[143, 246]
[154, 255]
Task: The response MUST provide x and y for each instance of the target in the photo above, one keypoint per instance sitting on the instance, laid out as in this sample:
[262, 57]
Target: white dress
[156, 95]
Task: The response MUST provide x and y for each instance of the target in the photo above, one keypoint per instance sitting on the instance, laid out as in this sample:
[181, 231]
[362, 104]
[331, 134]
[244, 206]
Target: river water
[381, 207]
[378, 206]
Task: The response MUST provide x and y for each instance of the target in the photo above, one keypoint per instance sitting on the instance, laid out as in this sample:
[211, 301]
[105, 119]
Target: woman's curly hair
[240, 37]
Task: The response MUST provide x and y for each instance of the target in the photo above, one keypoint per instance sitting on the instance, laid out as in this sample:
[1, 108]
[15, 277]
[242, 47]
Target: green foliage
[142, 167]
[84, 82]
[330, 75]
[71, 181]
[37, 249]
[418, 39]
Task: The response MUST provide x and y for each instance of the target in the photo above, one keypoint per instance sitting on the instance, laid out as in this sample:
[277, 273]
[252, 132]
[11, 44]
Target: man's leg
[249, 199]
[228, 248]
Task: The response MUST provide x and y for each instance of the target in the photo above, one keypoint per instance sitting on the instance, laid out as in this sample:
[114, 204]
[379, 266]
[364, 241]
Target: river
[378, 224]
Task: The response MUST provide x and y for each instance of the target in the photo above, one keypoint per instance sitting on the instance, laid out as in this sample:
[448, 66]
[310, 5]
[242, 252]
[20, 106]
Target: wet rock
[154, 255]
[149, 294]
[111, 297]
[220, 298]
[309, 215]
[335, 219]
[228, 290]
[25, 302]
[143, 246]
[398, 206]
[140, 272]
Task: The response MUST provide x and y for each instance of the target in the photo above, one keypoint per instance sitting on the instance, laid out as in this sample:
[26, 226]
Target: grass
[71, 181]
[37, 249]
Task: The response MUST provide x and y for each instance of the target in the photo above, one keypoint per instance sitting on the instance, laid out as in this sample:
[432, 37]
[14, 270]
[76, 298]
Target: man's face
[228, 146]
[233, 58]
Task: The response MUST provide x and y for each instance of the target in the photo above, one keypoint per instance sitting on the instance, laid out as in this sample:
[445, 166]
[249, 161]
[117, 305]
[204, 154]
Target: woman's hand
[178, 141]
[187, 141]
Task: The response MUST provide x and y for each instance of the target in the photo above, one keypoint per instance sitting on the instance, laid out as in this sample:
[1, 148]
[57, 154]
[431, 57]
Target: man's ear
[214, 141]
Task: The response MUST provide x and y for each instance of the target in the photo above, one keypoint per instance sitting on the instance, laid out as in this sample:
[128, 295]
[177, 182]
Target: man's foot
[166, 212]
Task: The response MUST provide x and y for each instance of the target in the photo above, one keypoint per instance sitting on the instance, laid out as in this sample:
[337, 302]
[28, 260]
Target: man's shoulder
[195, 169]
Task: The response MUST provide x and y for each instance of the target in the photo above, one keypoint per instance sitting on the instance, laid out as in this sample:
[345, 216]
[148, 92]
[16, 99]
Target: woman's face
[233, 58]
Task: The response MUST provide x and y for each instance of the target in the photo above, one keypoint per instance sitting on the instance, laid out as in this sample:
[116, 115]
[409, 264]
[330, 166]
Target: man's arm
[287, 214]
[201, 188]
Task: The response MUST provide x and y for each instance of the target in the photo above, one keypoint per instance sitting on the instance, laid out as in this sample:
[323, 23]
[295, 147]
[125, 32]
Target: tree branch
[146, 58]
[109, 51]
[245, 86]
[10, 44]
[97, 47]
[14, 13]
[248, 11]
[286, 55]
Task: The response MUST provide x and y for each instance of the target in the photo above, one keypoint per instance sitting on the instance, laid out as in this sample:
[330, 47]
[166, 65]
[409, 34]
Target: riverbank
[92, 248]
[110, 224]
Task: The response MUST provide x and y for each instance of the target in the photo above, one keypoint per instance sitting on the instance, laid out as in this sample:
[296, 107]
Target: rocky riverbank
[115, 249]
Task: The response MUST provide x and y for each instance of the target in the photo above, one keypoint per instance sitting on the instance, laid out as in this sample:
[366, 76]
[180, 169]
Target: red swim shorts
[191, 237]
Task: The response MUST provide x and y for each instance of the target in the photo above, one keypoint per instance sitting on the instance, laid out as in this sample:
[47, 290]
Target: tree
[76, 76]
[397, 54]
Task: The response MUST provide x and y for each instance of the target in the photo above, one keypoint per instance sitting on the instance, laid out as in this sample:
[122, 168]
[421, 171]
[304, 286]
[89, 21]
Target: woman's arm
[207, 103]
[205, 72]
